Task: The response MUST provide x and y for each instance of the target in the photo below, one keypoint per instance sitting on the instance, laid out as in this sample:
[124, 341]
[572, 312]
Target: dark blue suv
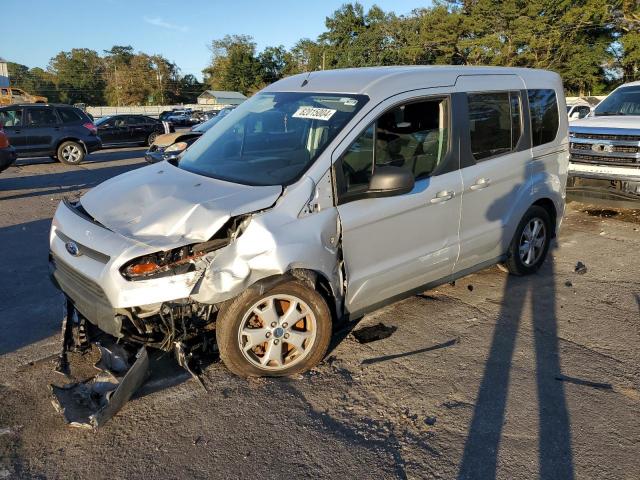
[62, 132]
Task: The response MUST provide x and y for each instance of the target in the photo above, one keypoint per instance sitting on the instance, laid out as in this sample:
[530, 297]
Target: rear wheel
[152, 138]
[71, 153]
[283, 331]
[530, 243]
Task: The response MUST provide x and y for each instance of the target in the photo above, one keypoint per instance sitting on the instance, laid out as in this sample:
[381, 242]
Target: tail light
[91, 127]
[4, 141]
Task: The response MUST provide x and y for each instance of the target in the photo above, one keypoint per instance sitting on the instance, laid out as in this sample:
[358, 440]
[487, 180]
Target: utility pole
[159, 77]
[115, 74]
[323, 59]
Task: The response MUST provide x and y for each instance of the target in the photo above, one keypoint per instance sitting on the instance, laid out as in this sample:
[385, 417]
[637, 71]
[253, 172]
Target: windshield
[623, 101]
[272, 138]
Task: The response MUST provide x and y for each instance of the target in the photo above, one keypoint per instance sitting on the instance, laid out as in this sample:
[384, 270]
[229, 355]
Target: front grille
[616, 148]
[600, 136]
[84, 250]
[600, 159]
[87, 296]
[76, 281]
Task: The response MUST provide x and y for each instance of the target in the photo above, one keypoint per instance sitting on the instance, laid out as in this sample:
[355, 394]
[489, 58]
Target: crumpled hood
[164, 206]
[167, 139]
[614, 121]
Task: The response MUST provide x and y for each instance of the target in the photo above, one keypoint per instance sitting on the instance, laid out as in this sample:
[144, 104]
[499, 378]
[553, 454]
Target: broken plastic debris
[580, 269]
[430, 421]
[373, 333]
[93, 402]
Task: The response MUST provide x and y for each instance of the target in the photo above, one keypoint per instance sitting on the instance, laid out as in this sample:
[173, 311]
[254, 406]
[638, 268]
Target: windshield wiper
[609, 114]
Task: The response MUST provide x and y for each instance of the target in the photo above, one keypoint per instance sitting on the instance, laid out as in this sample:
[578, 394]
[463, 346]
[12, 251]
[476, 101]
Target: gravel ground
[493, 377]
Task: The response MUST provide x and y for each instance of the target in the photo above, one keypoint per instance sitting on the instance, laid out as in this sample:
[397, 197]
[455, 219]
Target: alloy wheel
[71, 153]
[277, 332]
[532, 241]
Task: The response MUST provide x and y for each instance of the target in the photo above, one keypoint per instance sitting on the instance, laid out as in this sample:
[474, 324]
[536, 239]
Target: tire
[70, 153]
[525, 256]
[151, 138]
[257, 355]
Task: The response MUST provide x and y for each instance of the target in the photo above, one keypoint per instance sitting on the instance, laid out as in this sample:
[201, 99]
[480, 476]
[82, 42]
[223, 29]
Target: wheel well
[550, 207]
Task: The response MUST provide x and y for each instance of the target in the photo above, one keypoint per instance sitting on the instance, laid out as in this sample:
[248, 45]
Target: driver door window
[413, 136]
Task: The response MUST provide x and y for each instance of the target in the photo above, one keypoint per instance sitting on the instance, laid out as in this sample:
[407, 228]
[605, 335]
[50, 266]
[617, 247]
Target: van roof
[372, 80]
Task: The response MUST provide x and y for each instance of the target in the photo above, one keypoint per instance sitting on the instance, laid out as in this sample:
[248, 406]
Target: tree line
[117, 77]
[593, 44]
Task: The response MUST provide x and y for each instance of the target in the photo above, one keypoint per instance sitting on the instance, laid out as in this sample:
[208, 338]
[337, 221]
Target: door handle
[480, 184]
[442, 196]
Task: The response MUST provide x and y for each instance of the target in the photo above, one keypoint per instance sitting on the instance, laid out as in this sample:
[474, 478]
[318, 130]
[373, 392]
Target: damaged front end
[158, 284]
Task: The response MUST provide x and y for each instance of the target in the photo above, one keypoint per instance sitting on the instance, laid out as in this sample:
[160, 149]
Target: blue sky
[33, 31]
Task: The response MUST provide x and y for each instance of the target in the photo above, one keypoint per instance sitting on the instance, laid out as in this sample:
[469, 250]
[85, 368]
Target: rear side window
[37, 117]
[69, 115]
[495, 123]
[11, 118]
[543, 108]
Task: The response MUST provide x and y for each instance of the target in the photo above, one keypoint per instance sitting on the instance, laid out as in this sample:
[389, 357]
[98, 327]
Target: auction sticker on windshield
[314, 113]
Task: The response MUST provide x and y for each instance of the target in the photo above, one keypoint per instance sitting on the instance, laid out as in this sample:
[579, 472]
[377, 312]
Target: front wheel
[70, 153]
[152, 138]
[283, 331]
[530, 243]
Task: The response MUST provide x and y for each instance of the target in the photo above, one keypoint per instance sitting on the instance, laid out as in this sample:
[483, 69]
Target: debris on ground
[200, 440]
[470, 287]
[580, 268]
[430, 421]
[568, 283]
[93, 402]
[374, 333]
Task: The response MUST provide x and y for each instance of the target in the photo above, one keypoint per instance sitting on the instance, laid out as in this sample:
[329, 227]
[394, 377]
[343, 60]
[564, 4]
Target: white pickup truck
[605, 148]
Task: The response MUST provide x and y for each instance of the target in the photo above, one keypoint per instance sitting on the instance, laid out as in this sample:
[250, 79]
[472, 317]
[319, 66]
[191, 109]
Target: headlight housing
[177, 147]
[182, 259]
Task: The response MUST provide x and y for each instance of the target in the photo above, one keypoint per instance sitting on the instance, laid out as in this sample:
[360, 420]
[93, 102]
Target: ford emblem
[72, 248]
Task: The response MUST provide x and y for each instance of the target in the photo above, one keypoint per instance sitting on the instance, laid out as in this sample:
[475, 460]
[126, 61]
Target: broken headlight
[181, 260]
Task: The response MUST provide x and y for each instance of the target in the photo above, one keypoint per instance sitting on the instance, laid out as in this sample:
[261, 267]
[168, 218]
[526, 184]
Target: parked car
[62, 132]
[324, 196]
[181, 117]
[605, 148]
[164, 115]
[578, 109]
[13, 95]
[7, 152]
[127, 130]
[169, 146]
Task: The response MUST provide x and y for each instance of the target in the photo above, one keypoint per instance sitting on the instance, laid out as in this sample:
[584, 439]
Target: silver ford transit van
[324, 196]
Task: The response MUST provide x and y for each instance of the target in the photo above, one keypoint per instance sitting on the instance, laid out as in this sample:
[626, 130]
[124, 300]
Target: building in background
[4, 73]
[220, 98]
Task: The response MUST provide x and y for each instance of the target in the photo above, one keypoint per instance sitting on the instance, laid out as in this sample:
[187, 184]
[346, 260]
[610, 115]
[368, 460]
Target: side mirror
[390, 181]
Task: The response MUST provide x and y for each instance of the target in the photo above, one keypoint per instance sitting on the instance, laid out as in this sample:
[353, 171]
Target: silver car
[323, 197]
